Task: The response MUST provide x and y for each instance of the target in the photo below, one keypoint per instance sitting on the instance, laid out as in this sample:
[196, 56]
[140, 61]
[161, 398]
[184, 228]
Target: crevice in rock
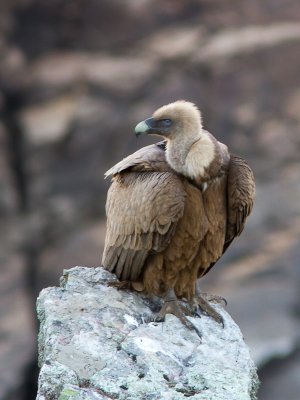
[30, 387]
[187, 392]
[105, 394]
[30, 380]
[12, 103]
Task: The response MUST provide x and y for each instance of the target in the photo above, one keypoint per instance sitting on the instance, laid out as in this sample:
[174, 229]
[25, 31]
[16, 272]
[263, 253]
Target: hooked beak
[145, 127]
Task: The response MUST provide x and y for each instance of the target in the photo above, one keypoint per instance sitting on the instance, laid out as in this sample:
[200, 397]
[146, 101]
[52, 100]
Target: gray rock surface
[94, 343]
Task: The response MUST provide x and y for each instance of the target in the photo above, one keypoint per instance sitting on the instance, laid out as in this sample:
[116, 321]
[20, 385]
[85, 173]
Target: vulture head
[190, 150]
[174, 119]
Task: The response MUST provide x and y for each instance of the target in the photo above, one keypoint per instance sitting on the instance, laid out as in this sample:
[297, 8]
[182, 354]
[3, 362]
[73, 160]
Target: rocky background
[75, 78]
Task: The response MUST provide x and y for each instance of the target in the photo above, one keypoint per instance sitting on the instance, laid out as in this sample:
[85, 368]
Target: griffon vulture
[173, 208]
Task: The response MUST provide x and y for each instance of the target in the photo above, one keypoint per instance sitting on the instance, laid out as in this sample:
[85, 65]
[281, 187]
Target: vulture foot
[172, 306]
[201, 305]
[214, 298]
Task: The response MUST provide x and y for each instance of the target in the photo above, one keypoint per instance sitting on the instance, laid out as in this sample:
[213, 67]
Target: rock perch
[95, 343]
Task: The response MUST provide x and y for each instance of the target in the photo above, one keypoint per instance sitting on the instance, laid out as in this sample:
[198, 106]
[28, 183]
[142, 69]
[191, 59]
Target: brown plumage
[173, 208]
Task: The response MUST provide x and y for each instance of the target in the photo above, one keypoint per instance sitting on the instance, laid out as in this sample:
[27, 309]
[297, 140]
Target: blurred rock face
[75, 77]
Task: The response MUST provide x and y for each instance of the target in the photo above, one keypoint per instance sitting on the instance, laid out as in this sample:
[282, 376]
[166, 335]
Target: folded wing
[240, 197]
[143, 209]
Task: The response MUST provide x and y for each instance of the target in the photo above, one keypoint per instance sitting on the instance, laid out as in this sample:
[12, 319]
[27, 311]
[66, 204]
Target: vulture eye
[166, 122]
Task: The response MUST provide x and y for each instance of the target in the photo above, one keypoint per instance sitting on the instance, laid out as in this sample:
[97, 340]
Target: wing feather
[148, 158]
[241, 192]
[240, 198]
[142, 209]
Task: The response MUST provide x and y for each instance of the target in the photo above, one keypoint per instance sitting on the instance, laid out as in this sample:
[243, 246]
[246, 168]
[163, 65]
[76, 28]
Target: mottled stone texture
[95, 343]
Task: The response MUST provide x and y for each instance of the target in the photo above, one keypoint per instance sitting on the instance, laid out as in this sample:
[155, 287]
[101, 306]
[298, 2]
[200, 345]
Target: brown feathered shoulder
[148, 158]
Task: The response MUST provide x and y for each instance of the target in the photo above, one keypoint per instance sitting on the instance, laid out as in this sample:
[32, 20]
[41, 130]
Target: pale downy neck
[191, 155]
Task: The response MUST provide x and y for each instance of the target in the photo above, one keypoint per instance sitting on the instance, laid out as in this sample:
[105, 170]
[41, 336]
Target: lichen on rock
[95, 343]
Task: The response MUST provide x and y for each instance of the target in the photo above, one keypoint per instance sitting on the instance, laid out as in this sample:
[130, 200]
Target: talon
[200, 302]
[214, 298]
[203, 306]
[172, 306]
